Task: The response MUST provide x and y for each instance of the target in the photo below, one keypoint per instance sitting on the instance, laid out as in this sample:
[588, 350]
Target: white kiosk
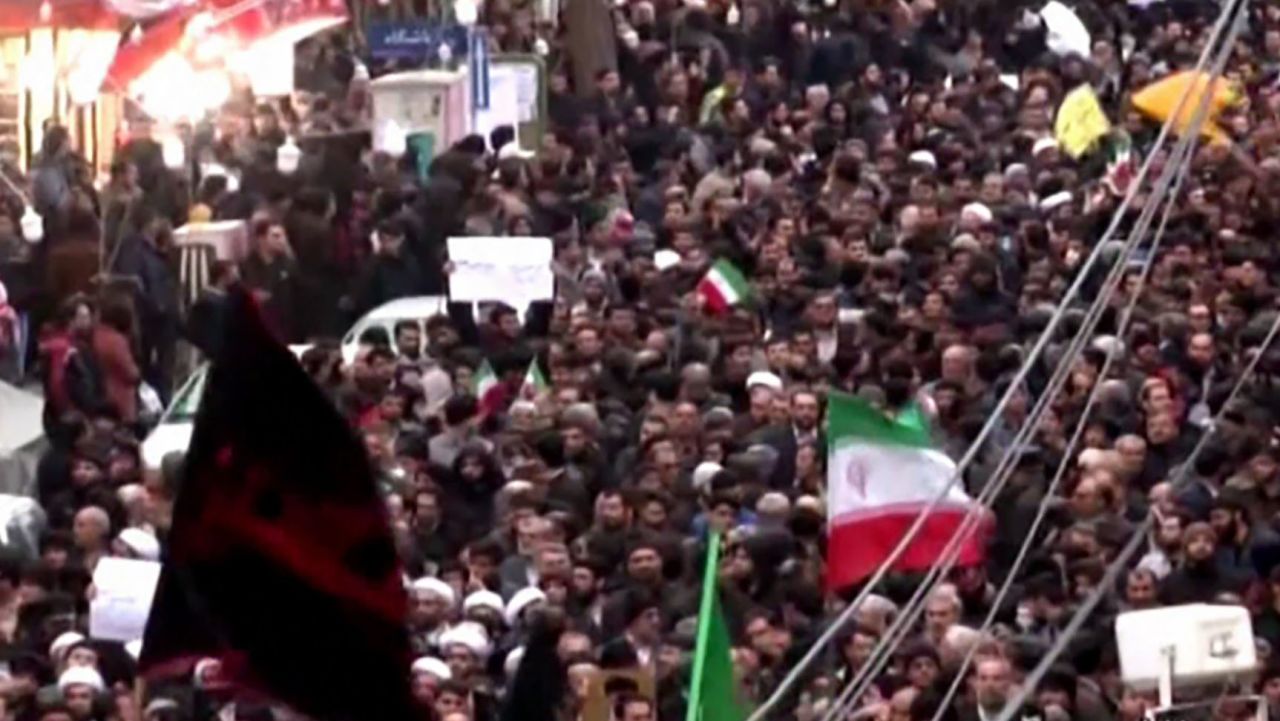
[434, 104]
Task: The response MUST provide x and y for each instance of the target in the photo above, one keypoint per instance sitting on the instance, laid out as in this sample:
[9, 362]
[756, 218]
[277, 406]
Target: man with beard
[992, 687]
[579, 431]
[461, 415]
[431, 603]
[805, 412]
[586, 580]
[1242, 546]
[608, 537]
[1199, 579]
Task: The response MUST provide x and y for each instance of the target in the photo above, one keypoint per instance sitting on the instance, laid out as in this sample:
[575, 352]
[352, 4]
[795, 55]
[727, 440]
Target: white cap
[923, 157]
[62, 643]
[523, 598]
[433, 666]
[1016, 169]
[80, 676]
[703, 474]
[666, 258]
[1044, 144]
[1055, 201]
[470, 635]
[483, 599]
[429, 585]
[764, 378]
[144, 545]
[981, 211]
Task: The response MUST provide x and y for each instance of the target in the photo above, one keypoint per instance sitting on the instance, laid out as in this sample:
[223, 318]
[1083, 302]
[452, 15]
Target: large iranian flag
[881, 474]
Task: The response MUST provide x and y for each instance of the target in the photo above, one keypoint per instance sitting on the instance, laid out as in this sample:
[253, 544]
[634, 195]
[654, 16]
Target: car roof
[421, 306]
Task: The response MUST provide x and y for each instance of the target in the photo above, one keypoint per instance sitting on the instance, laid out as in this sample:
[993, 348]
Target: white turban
[429, 585]
[523, 598]
[483, 599]
[143, 544]
[63, 642]
[470, 635]
[81, 676]
[433, 666]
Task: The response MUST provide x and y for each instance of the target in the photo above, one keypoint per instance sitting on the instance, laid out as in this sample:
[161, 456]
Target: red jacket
[120, 374]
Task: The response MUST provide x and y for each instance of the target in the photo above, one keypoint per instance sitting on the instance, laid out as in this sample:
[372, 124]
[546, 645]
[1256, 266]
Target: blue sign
[478, 69]
[415, 41]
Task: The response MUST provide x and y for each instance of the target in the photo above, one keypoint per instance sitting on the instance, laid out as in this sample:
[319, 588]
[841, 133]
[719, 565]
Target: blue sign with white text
[415, 40]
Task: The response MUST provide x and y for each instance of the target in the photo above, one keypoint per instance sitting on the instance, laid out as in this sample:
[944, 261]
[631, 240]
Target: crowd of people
[886, 176]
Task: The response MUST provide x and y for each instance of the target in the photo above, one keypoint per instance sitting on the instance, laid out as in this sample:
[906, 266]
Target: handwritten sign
[513, 270]
[123, 589]
[1081, 122]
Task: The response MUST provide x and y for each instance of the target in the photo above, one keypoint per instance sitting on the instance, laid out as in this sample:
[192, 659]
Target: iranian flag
[1122, 166]
[484, 386]
[535, 384]
[881, 474]
[724, 286]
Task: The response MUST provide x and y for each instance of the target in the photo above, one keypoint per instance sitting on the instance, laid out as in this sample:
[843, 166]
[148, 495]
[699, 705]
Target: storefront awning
[235, 26]
[24, 15]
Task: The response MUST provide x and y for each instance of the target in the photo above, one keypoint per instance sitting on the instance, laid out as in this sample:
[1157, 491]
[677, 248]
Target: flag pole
[705, 609]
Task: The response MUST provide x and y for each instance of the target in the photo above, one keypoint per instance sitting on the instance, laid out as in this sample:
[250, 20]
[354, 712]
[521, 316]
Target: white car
[388, 315]
[173, 431]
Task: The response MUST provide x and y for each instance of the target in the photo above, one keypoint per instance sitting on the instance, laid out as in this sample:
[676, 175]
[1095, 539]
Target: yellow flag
[1160, 100]
[1081, 121]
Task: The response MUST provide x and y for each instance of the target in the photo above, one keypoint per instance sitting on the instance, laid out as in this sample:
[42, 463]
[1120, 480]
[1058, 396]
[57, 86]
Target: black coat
[387, 278]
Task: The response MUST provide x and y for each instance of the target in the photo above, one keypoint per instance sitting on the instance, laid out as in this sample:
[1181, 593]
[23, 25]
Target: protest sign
[1081, 122]
[513, 270]
[123, 589]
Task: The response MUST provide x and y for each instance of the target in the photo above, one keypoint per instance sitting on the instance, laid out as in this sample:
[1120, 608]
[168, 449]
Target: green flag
[713, 690]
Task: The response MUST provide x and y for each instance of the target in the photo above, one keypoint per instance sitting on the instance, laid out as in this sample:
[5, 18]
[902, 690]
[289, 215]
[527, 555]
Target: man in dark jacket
[139, 257]
[208, 313]
[392, 273]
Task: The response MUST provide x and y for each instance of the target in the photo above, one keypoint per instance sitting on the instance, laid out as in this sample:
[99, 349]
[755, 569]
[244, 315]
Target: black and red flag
[281, 564]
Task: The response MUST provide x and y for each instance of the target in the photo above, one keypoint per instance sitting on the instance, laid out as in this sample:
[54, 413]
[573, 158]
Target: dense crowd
[886, 176]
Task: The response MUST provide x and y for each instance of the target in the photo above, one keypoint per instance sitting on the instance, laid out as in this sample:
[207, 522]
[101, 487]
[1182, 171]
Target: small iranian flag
[535, 384]
[881, 474]
[484, 386]
[1122, 166]
[724, 286]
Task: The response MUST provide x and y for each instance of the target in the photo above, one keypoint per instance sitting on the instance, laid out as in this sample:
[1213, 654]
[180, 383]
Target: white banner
[513, 270]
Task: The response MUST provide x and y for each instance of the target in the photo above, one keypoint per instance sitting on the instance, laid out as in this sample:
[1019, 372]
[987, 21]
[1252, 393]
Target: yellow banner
[1081, 121]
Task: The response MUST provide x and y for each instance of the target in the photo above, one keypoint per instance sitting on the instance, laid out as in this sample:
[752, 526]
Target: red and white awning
[230, 26]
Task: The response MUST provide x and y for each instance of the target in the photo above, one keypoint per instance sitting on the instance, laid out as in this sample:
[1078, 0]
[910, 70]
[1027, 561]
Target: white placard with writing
[513, 270]
[123, 589]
